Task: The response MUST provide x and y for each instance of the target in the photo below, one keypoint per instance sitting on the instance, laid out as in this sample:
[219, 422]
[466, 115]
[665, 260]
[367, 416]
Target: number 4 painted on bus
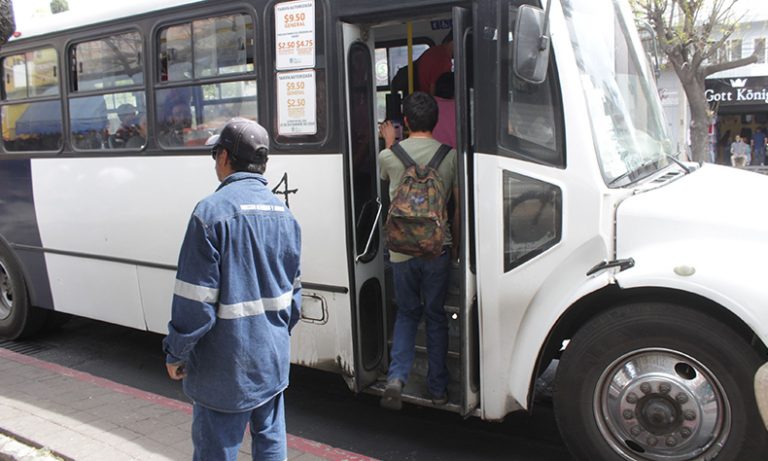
[286, 191]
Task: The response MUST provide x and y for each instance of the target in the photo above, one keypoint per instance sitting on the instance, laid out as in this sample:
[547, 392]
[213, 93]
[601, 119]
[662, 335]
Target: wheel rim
[6, 292]
[661, 405]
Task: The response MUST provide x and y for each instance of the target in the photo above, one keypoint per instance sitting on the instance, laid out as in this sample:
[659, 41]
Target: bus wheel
[658, 382]
[17, 317]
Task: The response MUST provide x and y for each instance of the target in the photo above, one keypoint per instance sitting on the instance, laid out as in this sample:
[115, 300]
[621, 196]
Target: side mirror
[531, 45]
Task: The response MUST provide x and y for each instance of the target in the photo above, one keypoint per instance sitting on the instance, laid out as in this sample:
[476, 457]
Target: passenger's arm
[195, 295]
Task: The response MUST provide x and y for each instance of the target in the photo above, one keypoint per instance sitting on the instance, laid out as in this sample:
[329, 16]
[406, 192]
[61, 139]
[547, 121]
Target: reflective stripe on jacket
[237, 296]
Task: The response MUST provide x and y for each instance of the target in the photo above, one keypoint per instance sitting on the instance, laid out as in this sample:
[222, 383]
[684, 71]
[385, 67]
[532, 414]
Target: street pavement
[50, 412]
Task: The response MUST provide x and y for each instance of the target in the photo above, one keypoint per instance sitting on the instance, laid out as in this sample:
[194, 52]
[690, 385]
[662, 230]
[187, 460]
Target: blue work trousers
[420, 288]
[217, 435]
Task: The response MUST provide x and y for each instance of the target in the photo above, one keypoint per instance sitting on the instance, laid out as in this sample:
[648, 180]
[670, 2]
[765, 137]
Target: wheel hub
[6, 293]
[661, 405]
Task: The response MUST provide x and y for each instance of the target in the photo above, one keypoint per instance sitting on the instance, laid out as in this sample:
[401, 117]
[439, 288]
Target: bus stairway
[415, 390]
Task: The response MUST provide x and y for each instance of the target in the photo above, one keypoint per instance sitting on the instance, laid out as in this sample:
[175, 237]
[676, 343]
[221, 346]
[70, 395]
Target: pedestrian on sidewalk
[236, 299]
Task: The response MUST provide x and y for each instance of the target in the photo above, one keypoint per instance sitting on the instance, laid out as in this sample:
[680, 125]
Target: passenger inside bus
[178, 122]
[436, 61]
[139, 137]
[126, 113]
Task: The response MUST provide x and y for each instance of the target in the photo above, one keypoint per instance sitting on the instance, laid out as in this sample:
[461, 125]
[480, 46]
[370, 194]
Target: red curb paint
[296, 443]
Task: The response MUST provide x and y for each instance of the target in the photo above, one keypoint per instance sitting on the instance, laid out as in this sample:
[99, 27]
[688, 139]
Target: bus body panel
[18, 226]
[518, 308]
[126, 264]
[687, 235]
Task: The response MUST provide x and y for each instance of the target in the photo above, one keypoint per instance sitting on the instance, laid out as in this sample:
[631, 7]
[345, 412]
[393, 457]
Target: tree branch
[719, 67]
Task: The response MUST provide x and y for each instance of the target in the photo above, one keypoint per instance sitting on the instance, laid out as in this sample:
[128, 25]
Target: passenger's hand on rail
[387, 130]
[176, 371]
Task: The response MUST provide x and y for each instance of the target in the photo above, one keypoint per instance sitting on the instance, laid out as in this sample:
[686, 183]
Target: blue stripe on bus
[18, 226]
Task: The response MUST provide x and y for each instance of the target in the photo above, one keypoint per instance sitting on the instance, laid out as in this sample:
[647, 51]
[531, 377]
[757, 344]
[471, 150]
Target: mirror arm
[544, 39]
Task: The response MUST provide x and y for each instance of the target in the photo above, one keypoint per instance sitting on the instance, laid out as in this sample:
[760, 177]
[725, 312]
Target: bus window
[111, 62]
[532, 119]
[188, 116]
[36, 123]
[207, 48]
[110, 120]
[210, 48]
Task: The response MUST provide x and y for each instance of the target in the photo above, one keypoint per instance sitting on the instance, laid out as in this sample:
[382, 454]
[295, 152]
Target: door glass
[362, 146]
[533, 215]
[531, 121]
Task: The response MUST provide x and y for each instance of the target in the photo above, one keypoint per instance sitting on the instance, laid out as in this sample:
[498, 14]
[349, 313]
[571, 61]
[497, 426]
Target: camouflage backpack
[416, 224]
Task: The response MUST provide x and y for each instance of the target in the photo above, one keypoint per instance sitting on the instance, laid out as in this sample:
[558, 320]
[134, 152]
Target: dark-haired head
[420, 111]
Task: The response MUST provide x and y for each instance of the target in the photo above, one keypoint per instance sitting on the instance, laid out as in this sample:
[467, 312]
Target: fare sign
[295, 34]
[296, 96]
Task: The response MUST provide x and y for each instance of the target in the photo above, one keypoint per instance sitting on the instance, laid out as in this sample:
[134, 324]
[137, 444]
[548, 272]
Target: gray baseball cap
[244, 139]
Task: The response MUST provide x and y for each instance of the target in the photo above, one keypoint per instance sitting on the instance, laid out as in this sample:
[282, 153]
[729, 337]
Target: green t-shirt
[421, 150]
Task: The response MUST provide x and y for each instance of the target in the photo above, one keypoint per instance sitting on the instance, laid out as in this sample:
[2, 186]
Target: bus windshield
[627, 121]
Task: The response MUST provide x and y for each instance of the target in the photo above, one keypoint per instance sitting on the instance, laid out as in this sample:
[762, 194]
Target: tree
[691, 33]
[7, 22]
[59, 6]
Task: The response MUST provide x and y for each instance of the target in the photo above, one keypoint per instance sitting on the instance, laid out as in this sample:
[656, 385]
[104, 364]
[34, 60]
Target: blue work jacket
[237, 296]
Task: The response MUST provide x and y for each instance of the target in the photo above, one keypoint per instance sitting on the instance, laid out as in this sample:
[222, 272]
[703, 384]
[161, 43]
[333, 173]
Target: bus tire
[652, 381]
[17, 317]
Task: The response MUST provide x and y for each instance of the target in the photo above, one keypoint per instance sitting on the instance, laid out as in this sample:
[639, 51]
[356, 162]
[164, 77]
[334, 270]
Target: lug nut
[681, 398]
[628, 414]
[671, 441]
[652, 441]
[645, 388]
[635, 430]
[685, 432]
[665, 388]
[632, 398]
[689, 415]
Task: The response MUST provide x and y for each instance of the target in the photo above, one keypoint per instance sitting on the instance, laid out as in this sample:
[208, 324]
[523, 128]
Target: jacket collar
[241, 175]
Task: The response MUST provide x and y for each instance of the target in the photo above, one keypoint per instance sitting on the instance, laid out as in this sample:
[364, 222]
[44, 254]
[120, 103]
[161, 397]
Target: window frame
[5, 102]
[73, 94]
[523, 148]
[158, 85]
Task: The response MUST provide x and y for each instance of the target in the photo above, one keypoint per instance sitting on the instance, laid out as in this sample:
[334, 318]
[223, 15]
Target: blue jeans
[420, 288]
[217, 435]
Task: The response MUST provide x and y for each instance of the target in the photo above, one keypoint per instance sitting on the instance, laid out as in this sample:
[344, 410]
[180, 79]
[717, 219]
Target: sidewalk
[50, 412]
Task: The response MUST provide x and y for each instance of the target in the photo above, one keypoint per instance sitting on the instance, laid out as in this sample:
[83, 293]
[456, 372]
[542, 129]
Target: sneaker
[392, 398]
[439, 399]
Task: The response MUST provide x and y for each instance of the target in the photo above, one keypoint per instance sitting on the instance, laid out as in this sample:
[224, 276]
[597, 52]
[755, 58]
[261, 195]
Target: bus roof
[74, 19]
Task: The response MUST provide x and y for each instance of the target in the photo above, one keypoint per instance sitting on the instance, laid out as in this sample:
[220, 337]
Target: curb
[14, 448]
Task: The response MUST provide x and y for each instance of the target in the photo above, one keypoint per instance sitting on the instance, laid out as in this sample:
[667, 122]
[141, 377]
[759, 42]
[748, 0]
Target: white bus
[583, 238]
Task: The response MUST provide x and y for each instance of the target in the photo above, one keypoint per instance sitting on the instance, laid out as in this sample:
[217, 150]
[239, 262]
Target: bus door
[369, 322]
[536, 211]
[467, 305]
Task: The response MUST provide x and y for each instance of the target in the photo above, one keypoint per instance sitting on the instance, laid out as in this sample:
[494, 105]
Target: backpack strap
[402, 155]
[439, 156]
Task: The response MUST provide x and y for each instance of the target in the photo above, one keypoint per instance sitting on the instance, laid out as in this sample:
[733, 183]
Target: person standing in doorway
[758, 147]
[433, 63]
[237, 298]
[420, 282]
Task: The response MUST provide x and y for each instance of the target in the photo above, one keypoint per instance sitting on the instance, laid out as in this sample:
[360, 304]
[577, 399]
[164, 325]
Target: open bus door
[369, 325]
[468, 315]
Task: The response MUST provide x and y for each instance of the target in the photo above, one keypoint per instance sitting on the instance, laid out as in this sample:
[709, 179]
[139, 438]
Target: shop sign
[737, 91]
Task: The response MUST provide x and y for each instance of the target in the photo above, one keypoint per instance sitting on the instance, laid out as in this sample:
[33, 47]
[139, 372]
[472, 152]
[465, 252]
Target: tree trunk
[700, 117]
[7, 22]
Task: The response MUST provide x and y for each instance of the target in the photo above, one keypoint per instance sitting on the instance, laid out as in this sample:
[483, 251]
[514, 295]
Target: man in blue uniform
[236, 299]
